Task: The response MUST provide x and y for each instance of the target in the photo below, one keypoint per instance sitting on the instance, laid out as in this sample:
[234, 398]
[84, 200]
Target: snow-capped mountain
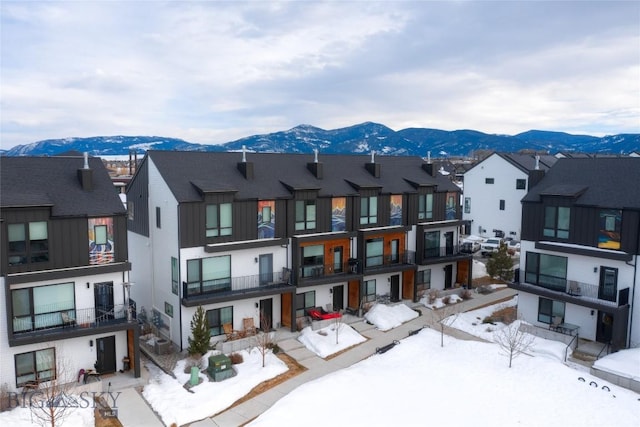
[362, 138]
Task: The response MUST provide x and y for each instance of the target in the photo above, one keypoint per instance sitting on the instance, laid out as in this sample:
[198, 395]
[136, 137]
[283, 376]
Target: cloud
[211, 72]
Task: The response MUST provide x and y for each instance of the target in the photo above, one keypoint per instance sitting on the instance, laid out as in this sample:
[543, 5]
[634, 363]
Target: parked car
[491, 246]
[513, 247]
[469, 247]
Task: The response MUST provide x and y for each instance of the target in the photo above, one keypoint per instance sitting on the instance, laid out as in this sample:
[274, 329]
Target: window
[175, 275]
[374, 252]
[168, 309]
[305, 301]
[208, 275]
[431, 244]
[547, 271]
[609, 235]
[548, 309]
[369, 290]
[425, 206]
[501, 205]
[305, 215]
[521, 184]
[556, 222]
[369, 210]
[219, 220]
[608, 288]
[42, 307]
[467, 205]
[218, 317]
[337, 259]
[488, 180]
[37, 365]
[130, 210]
[100, 233]
[158, 222]
[28, 243]
[423, 282]
[313, 261]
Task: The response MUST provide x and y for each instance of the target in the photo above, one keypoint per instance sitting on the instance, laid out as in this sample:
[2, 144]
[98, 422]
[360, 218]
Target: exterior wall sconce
[256, 305]
[256, 259]
[90, 343]
[592, 312]
[88, 285]
[595, 269]
[330, 290]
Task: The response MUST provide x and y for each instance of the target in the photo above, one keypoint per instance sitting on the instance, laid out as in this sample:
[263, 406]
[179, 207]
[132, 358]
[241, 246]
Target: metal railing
[381, 261]
[236, 284]
[582, 290]
[74, 317]
[442, 251]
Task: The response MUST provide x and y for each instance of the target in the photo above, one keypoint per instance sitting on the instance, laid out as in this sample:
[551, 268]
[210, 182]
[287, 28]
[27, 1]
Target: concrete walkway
[318, 367]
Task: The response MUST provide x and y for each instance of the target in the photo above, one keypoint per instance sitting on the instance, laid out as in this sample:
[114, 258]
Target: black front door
[395, 288]
[103, 298]
[106, 355]
[604, 332]
[338, 297]
[448, 276]
[266, 314]
[448, 240]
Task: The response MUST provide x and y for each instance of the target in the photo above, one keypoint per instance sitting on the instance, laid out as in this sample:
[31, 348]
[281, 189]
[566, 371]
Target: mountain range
[362, 138]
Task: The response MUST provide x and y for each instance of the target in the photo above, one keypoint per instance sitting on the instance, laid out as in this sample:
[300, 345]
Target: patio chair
[556, 321]
[574, 288]
[249, 326]
[230, 332]
[67, 320]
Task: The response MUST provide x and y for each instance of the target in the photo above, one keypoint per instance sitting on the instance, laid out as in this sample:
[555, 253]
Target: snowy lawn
[625, 363]
[464, 383]
[175, 404]
[324, 342]
[22, 416]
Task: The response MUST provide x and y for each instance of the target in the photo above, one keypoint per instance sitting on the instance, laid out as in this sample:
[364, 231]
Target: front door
[103, 299]
[395, 288]
[266, 314]
[605, 327]
[338, 297]
[448, 276]
[266, 269]
[106, 355]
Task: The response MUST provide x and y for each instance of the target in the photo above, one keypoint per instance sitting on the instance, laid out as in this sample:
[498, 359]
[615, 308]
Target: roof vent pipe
[537, 162]
[315, 155]
[86, 160]
[429, 157]
[244, 154]
[373, 155]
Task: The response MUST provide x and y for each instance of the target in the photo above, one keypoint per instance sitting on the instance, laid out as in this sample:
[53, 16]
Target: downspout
[633, 287]
[180, 287]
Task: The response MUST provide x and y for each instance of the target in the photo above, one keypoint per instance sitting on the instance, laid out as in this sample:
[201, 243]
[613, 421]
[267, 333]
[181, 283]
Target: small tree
[337, 323]
[512, 341]
[199, 339]
[500, 264]
[264, 339]
[443, 317]
[52, 403]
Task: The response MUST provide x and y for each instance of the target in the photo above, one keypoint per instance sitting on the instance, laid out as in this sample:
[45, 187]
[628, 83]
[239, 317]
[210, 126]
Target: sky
[211, 72]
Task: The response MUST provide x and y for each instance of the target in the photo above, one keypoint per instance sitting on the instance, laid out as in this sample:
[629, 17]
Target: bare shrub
[236, 358]
[512, 341]
[466, 294]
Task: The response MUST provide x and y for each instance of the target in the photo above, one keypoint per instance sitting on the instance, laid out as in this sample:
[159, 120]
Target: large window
[548, 271]
[374, 252]
[218, 317]
[305, 301]
[369, 290]
[467, 205]
[425, 206]
[313, 261]
[42, 307]
[305, 215]
[608, 287]
[556, 222]
[175, 275]
[219, 220]
[548, 309]
[28, 243]
[431, 244]
[208, 275]
[36, 366]
[369, 210]
[423, 282]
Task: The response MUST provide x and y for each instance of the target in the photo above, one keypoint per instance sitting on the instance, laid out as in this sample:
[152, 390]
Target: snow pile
[386, 317]
[323, 341]
[625, 363]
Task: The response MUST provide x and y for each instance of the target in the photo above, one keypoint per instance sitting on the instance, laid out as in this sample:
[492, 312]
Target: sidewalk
[318, 367]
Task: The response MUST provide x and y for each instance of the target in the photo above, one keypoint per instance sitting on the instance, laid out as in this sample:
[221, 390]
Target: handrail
[606, 346]
[566, 350]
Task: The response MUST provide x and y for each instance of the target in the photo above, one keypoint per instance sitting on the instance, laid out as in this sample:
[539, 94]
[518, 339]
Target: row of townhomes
[580, 250]
[266, 236]
[64, 272]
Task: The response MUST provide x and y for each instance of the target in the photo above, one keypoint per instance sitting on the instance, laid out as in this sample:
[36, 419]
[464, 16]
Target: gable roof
[276, 175]
[53, 182]
[527, 162]
[604, 182]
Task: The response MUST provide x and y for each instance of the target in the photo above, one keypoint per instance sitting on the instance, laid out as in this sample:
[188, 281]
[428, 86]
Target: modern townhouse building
[267, 236]
[493, 189]
[64, 271]
[580, 249]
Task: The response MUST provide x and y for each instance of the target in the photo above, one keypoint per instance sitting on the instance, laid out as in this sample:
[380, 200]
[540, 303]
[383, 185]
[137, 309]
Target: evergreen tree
[199, 339]
[500, 264]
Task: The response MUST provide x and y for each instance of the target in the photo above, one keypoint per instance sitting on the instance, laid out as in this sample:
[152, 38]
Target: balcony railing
[442, 251]
[323, 270]
[236, 284]
[69, 318]
[382, 261]
[586, 291]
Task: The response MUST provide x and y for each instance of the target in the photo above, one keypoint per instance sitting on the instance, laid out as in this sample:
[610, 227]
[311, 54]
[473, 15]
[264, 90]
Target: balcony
[580, 293]
[439, 254]
[316, 271]
[232, 288]
[57, 324]
[389, 262]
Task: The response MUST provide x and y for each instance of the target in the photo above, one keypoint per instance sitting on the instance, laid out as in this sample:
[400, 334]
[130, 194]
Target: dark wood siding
[323, 214]
[138, 195]
[245, 220]
[192, 224]
[630, 234]
[384, 210]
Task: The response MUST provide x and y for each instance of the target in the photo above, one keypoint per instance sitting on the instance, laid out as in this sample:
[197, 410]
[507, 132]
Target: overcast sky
[211, 72]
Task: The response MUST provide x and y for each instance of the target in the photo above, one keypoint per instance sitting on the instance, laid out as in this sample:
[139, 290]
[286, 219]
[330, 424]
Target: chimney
[246, 168]
[430, 168]
[535, 176]
[85, 175]
[315, 167]
[373, 167]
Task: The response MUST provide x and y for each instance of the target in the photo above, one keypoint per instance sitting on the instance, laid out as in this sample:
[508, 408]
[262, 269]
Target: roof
[275, 174]
[527, 162]
[53, 181]
[604, 182]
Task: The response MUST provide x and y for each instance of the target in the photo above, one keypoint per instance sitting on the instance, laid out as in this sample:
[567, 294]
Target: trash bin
[220, 367]
[195, 375]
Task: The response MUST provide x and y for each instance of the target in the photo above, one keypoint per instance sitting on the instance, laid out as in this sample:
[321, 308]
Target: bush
[236, 358]
[446, 300]
[466, 294]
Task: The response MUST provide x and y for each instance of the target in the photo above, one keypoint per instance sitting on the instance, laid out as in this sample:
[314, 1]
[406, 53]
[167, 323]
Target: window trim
[369, 295]
[36, 374]
[489, 180]
[553, 221]
[197, 287]
[302, 311]
[29, 254]
[535, 276]
[369, 210]
[521, 184]
[215, 328]
[502, 204]
[218, 220]
[306, 215]
[542, 316]
[425, 206]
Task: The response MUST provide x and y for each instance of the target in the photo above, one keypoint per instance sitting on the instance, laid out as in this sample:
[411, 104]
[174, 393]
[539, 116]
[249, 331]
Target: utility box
[220, 367]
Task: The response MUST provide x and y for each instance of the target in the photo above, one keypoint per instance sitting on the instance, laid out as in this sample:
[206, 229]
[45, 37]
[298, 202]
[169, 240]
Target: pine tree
[500, 264]
[199, 339]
